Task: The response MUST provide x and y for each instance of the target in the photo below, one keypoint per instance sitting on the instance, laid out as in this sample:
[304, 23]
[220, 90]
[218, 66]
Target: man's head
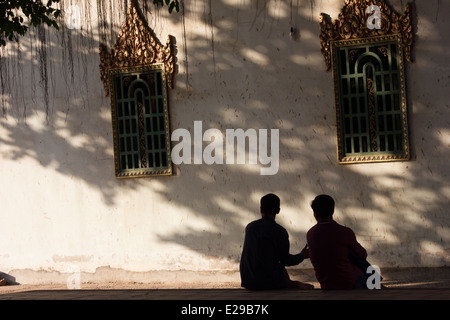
[270, 204]
[323, 206]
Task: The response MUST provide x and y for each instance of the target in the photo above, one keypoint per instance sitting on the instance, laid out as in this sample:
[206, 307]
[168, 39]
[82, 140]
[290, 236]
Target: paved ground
[226, 294]
[195, 301]
[419, 284]
[421, 290]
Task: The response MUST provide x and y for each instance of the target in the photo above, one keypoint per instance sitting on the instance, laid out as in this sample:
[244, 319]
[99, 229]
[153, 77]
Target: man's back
[329, 246]
[265, 252]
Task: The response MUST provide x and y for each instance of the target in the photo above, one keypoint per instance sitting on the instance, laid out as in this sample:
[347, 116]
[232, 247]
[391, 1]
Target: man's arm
[287, 259]
[354, 246]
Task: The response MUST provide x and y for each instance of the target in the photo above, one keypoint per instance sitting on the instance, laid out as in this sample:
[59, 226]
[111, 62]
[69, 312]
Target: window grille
[370, 100]
[140, 121]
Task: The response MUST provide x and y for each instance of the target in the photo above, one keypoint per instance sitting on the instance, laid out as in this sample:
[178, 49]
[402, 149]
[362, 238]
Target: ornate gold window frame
[137, 51]
[351, 30]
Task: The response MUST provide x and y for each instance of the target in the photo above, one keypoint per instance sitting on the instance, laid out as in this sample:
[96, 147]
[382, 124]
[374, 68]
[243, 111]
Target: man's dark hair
[323, 206]
[270, 204]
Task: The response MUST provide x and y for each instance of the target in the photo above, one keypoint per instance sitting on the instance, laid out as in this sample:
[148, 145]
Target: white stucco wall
[238, 67]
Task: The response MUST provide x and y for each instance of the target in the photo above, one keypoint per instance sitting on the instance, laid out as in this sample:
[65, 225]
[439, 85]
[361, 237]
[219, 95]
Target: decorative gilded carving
[141, 127]
[136, 45]
[352, 24]
[372, 116]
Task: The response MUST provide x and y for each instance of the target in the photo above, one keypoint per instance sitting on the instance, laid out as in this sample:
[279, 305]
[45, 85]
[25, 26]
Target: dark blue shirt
[265, 254]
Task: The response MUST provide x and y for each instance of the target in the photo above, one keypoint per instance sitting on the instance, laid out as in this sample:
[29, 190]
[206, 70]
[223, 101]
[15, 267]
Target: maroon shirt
[329, 244]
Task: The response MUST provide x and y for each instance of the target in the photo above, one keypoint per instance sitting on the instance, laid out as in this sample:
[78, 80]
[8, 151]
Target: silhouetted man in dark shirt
[266, 252]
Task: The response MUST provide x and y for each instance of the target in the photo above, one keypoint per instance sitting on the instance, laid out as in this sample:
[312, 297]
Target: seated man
[339, 260]
[266, 252]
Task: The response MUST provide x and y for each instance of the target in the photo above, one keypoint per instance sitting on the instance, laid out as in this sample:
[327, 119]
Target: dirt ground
[119, 286]
[416, 279]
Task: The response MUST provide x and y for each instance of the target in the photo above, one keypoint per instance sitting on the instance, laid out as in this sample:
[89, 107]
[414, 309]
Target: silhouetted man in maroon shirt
[339, 260]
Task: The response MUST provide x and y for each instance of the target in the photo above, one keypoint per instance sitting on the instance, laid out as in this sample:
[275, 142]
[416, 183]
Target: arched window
[367, 60]
[136, 73]
[140, 121]
[370, 100]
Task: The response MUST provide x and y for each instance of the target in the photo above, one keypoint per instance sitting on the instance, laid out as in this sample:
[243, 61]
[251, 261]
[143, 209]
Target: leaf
[12, 13]
[171, 6]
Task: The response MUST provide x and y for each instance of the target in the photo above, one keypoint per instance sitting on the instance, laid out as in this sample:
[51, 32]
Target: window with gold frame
[368, 66]
[140, 121]
[137, 73]
[371, 109]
